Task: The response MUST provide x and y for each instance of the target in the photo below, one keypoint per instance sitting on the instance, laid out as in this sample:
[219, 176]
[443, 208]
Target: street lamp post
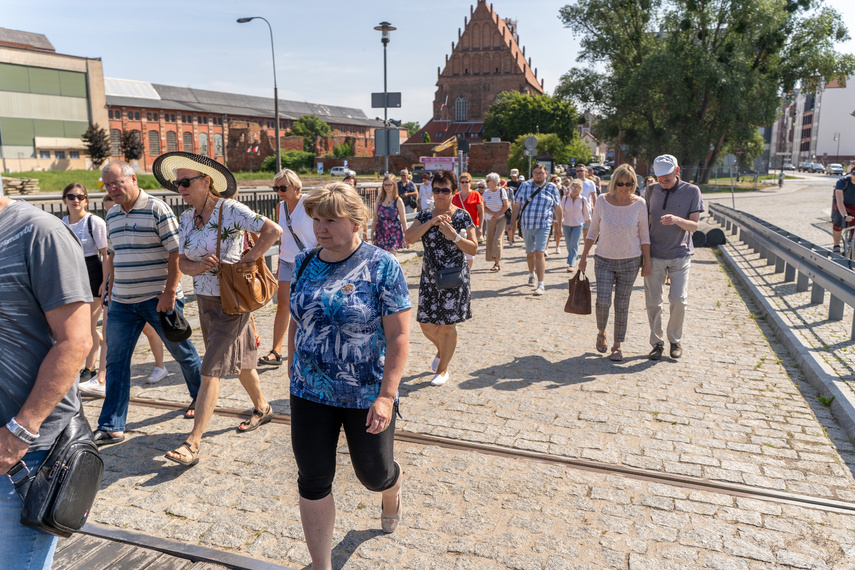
[385, 28]
[275, 88]
[837, 138]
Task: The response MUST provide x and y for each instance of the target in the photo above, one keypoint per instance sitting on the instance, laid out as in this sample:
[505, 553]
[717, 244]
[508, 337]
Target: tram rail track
[696, 483]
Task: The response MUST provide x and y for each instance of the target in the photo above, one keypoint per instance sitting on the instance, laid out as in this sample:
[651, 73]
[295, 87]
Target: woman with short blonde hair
[620, 223]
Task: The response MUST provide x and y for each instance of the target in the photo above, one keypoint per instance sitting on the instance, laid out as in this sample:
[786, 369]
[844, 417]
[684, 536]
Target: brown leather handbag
[579, 301]
[244, 287]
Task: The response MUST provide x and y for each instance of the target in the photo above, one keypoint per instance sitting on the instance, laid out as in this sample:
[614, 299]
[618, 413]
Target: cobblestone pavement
[526, 376]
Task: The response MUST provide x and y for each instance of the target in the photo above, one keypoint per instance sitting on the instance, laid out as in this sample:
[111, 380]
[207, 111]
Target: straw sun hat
[166, 165]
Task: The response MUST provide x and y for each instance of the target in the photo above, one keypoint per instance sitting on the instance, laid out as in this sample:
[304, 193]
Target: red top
[471, 205]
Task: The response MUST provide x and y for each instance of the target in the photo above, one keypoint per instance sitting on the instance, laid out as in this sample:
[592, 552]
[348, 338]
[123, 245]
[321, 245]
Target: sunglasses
[622, 184]
[281, 188]
[73, 197]
[465, 182]
[185, 182]
[442, 190]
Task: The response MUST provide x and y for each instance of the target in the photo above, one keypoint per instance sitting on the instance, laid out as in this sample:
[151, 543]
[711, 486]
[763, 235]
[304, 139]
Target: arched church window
[460, 109]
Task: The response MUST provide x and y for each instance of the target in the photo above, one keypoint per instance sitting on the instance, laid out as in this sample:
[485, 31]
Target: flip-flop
[194, 455]
[101, 437]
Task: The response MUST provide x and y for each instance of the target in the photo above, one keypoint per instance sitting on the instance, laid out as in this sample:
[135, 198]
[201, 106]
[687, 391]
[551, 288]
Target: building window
[115, 142]
[148, 116]
[110, 114]
[460, 109]
[188, 142]
[153, 143]
[171, 142]
[59, 154]
[155, 117]
[74, 154]
[44, 154]
[136, 116]
[203, 144]
[218, 145]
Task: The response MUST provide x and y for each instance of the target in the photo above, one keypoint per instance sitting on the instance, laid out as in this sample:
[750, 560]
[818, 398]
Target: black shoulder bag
[58, 497]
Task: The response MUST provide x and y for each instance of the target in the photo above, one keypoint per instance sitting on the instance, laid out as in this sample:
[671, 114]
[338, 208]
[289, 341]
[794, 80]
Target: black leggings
[314, 438]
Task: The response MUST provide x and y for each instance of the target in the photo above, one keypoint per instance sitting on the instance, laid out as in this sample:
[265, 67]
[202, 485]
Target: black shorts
[314, 438]
[96, 274]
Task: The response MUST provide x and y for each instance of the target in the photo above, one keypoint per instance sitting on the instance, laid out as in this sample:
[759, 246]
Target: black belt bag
[58, 497]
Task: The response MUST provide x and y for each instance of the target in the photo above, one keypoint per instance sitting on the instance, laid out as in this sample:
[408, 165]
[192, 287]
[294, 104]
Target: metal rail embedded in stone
[582, 464]
[797, 258]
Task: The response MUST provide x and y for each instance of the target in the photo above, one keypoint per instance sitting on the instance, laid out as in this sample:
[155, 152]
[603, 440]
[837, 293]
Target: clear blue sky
[326, 50]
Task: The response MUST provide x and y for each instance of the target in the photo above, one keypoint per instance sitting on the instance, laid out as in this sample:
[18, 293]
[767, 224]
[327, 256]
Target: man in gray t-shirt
[675, 208]
[44, 337]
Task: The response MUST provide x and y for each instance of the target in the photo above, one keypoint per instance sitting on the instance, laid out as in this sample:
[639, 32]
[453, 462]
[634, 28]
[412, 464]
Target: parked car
[817, 167]
[600, 169]
[804, 166]
[341, 171]
[835, 168]
[788, 166]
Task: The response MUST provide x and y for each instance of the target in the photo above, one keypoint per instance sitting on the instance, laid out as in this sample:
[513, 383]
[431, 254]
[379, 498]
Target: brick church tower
[486, 60]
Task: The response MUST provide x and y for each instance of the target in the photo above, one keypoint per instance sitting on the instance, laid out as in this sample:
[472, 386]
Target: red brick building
[486, 60]
[237, 130]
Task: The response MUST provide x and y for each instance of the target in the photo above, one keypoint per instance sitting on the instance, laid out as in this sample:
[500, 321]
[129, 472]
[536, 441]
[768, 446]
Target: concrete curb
[819, 374]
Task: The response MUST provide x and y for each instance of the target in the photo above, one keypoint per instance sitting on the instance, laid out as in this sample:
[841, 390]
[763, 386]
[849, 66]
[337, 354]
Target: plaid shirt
[539, 212]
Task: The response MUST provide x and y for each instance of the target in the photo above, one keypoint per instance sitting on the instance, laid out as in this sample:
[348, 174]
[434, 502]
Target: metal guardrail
[811, 266]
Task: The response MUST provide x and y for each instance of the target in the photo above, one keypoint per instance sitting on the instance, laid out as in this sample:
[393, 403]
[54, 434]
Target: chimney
[529, 61]
[523, 48]
[535, 71]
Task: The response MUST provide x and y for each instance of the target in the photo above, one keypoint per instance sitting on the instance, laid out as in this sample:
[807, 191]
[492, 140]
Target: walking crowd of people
[343, 305]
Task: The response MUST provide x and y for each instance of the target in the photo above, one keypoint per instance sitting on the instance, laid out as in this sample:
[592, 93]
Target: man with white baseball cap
[674, 207]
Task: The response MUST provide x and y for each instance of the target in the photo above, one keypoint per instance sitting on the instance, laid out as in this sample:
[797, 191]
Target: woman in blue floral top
[230, 346]
[347, 345]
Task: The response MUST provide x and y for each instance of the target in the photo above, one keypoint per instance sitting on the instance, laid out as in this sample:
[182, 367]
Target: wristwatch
[21, 432]
[457, 239]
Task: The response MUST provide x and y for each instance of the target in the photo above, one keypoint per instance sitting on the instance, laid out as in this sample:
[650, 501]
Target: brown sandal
[191, 455]
[601, 343]
[616, 355]
[256, 420]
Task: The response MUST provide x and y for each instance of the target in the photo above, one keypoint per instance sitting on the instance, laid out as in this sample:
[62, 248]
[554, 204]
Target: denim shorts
[286, 269]
[535, 239]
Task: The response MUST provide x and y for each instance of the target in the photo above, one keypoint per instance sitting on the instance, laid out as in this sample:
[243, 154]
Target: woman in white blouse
[576, 211]
[297, 235]
[620, 222]
[495, 205]
[92, 233]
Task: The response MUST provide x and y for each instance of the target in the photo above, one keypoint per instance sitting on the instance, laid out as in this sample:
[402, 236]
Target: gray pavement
[526, 376]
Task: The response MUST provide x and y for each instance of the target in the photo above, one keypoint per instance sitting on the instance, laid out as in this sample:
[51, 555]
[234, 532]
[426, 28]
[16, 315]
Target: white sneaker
[439, 379]
[157, 375]
[435, 364]
[557, 250]
[532, 280]
[538, 291]
[92, 388]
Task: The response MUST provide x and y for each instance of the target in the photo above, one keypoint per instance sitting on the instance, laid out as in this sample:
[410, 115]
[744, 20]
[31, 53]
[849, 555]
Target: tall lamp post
[385, 28]
[275, 88]
[837, 138]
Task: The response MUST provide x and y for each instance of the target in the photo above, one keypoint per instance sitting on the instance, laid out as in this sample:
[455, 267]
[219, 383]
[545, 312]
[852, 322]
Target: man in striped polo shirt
[143, 233]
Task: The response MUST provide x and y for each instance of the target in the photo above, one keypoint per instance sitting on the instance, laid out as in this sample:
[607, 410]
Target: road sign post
[530, 145]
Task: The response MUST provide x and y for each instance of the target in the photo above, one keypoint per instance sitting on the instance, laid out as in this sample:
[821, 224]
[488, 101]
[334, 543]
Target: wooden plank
[139, 558]
[75, 552]
[64, 543]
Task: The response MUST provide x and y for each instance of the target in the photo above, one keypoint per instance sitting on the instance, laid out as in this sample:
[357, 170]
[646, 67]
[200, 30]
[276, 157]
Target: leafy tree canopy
[97, 144]
[412, 127]
[310, 128]
[696, 78]
[514, 113]
[132, 145]
[548, 143]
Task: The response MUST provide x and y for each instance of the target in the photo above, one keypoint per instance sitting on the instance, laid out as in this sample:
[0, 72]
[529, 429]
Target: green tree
[692, 77]
[132, 146]
[412, 127]
[344, 149]
[310, 128]
[514, 113]
[547, 143]
[426, 138]
[97, 144]
[296, 160]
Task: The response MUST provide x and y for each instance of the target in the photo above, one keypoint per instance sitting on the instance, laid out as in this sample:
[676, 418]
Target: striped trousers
[618, 275]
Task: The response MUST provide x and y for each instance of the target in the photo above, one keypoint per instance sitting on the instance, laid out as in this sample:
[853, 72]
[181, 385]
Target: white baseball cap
[665, 164]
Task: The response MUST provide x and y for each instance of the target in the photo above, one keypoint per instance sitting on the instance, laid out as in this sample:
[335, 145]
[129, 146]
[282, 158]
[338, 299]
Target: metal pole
[275, 100]
[385, 110]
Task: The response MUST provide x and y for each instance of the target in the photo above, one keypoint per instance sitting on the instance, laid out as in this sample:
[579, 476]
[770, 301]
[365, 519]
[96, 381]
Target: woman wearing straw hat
[230, 347]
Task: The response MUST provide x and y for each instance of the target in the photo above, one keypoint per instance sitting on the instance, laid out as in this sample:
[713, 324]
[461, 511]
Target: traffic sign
[528, 152]
[382, 100]
[320, 168]
[530, 142]
[345, 163]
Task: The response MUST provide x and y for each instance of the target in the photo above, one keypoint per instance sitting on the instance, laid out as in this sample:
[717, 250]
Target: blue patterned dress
[339, 342]
[390, 234]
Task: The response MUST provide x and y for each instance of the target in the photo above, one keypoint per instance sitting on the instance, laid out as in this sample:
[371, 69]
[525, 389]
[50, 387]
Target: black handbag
[58, 497]
[449, 277]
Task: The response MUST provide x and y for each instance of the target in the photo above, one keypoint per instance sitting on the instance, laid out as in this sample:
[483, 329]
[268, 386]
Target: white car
[342, 171]
[835, 168]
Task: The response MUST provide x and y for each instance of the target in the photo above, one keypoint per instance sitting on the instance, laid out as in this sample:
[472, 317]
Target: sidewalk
[526, 376]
